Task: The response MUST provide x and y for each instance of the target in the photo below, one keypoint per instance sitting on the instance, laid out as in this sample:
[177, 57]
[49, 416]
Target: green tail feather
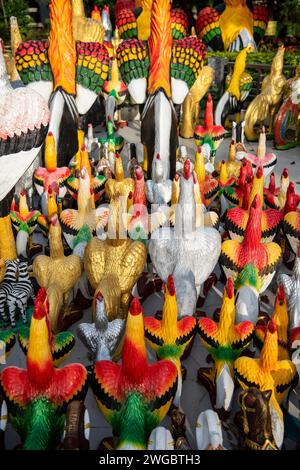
[40, 425]
[247, 277]
[84, 235]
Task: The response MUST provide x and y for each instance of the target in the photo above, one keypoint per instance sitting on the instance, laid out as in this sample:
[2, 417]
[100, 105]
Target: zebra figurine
[20, 293]
[6, 286]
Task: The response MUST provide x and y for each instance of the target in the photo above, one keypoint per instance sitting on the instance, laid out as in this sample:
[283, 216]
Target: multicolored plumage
[22, 218]
[268, 373]
[7, 341]
[37, 396]
[275, 197]
[225, 341]
[169, 337]
[208, 185]
[134, 396]
[115, 142]
[264, 256]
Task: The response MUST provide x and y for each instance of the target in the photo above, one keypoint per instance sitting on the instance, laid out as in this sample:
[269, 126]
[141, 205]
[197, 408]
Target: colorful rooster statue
[186, 251]
[276, 197]
[237, 217]
[68, 74]
[114, 90]
[134, 396]
[263, 159]
[134, 21]
[268, 373]
[209, 136]
[160, 73]
[264, 256]
[37, 396]
[208, 185]
[225, 341]
[236, 194]
[281, 318]
[238, 87]
[232, 25]
[169, 337]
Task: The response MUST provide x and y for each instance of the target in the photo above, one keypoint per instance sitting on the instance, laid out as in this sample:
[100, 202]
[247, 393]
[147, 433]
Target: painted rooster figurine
[37, 396]
[225, 341]
[134, 396]
[232, 25]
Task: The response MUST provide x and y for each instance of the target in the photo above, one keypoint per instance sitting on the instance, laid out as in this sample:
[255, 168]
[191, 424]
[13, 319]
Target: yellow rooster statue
[267, 102]
[85, 29]
[58, 274]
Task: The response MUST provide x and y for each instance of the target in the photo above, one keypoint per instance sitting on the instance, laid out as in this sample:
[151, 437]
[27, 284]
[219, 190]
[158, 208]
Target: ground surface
[194, 397]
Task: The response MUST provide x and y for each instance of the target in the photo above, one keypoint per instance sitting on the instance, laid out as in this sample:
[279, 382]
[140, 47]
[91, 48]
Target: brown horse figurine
[255, 420]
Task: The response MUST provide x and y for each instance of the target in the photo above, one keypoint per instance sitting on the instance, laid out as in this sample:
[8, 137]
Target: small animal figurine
[208, 185]
[238, 136]
[160, 439]
[264, 256]
[266, 160]
[105, 17]
[21, 292]
[158, 189]
[190, 257]
[101, 338]
[7, 284]
[168, 337]
[58, 274]
[256, 425]
[233, 166]
[265, 104]
[276, 197]
[226, 184]
[36, 396]
[77, 427]
[238, 87]
[114, 142]
[209, 431]
[236, 194]
[209, 136]
[134, 396]
[114, 91]
[291, 285]
[225, 341]
[120, 185]
[281, 318]
[268, 373]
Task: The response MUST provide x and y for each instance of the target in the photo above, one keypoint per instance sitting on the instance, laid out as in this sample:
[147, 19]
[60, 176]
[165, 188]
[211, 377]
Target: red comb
[171, 285]
[135, 307]
[229, 288]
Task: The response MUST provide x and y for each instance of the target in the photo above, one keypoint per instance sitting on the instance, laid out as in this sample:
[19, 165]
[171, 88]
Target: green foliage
[18, 8]
[264, 58]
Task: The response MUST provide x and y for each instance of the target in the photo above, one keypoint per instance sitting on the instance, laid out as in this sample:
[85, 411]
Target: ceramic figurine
[281, 318]
[160, 439]
[238, 135]
[237, 217]
[268, 373]
[225, 341]
[72, 220]
[169, 337]
[51, 175]
[85, 29]
[120, 185]
[191, 104]
[101, 338]
[291, 229]
[236, 194]
[6, 286]
[58, 274]
[248, 286]
[158, 189]
[292, 199]
[71, 89]
[276, 197]
[209, 136]
[115, 142]
[134, 22]
[25, 222]
[81, 288]
[209, 431]
[114, 90]
[256, 425]
[226, 184]
[23, 127]
[286, 124]
[77, 427]
[116, 261]
[265, 104]
[208, 185]
[266, 160]
[134, 396]
[96, 181]
[232, 25]
[20, 293]
[233, 166]
[160, 73]
[291, 286]
[105, 17]
[186, 252]
[264, 256]
[36, 396]
[238, 87]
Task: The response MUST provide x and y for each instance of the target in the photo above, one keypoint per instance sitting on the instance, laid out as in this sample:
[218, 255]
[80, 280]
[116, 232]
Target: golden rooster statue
[265, 104]
[117, 262]
[58, 274]
[85, 29]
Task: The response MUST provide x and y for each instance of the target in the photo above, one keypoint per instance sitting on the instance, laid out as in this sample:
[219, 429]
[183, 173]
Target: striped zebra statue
[20, 293]
[6, 286]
